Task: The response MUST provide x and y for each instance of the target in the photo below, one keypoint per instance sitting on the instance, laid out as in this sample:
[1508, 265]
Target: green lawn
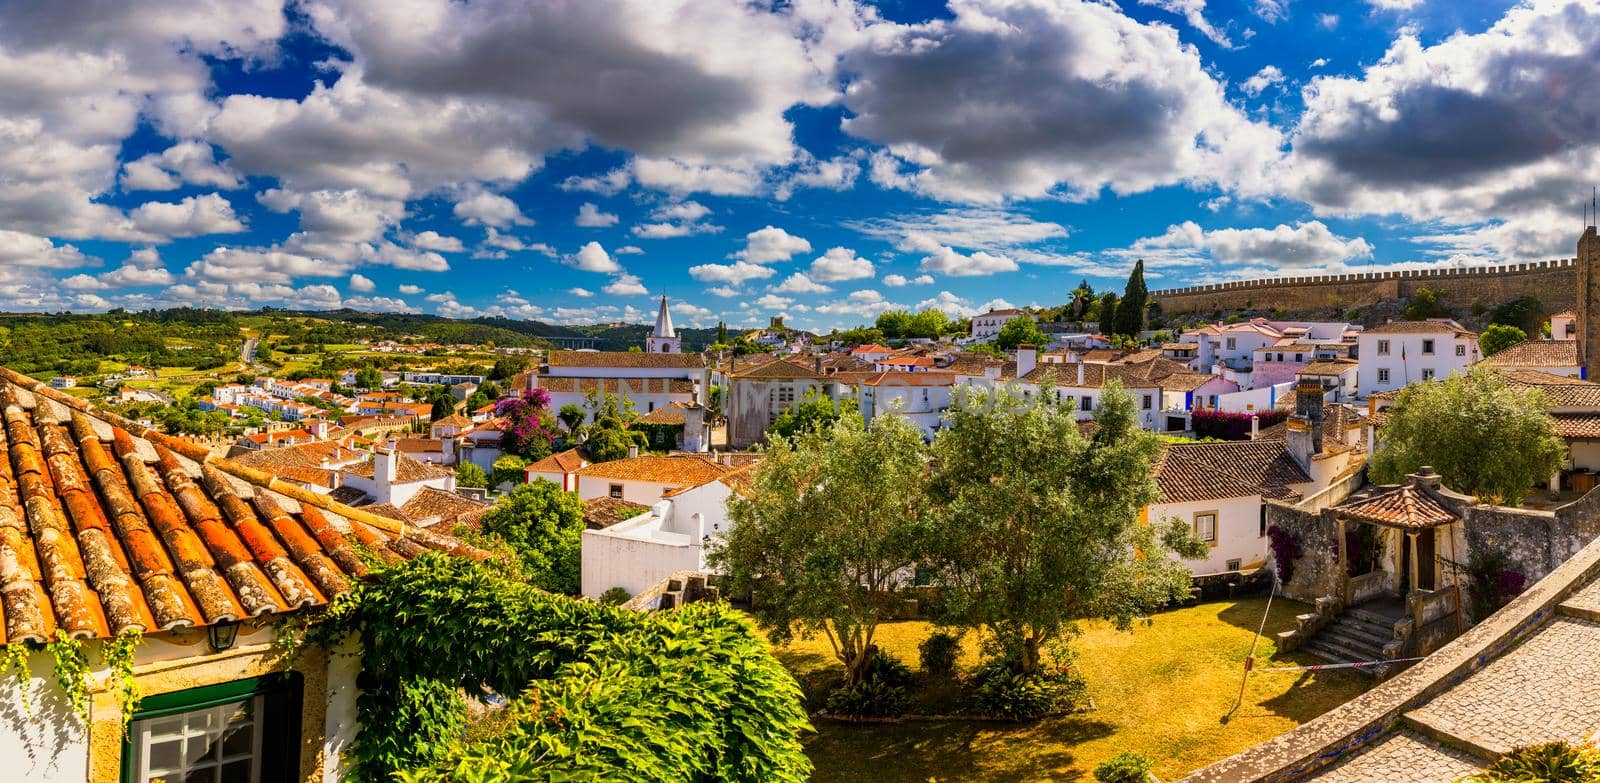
[1160, 689]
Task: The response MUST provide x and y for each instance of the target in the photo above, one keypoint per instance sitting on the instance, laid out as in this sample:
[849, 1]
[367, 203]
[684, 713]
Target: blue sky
[820, 159]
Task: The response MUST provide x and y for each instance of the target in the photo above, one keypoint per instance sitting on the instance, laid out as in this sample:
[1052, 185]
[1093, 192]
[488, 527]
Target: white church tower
[663, 339]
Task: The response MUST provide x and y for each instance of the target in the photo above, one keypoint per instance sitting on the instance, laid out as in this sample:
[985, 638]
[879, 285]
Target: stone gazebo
[1418, 532]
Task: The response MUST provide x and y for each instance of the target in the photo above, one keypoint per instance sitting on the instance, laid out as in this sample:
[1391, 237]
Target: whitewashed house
[987, 325]
[672, 536]
[919, 397]
[1399, 353]
[646, 478]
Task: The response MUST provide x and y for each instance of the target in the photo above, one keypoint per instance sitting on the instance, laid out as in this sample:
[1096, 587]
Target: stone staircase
[1355, 635]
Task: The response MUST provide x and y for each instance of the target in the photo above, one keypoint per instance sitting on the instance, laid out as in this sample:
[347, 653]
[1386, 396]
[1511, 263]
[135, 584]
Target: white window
[1461, 350]
[1383, 375]
[1232, 343]
[1427, 347]
[1427, 375]
[1383, 347]
[1147, 403]
[1205, 526]
[220, 743]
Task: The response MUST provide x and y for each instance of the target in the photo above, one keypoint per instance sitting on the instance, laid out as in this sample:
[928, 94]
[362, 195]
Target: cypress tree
[1130, 311]
[1108, 313]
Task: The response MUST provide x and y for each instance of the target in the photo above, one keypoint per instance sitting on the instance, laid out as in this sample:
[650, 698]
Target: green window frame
[283, 696]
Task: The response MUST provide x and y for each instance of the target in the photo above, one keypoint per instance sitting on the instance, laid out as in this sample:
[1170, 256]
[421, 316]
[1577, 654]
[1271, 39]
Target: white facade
[1238, 534]
[921, 402]
[632, 490]
[638, 553]
[1391, 359]
[988, 324]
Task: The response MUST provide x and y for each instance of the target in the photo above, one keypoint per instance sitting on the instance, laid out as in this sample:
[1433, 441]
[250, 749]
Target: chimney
[1027, 359]
[1080, 372]
[633, 452]
[817, 363]
[1425, 477]
[1255, 427]
[385, 464]
[1305, 426]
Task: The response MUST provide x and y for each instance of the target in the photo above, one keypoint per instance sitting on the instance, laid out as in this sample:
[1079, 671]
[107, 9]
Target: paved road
[247, 356]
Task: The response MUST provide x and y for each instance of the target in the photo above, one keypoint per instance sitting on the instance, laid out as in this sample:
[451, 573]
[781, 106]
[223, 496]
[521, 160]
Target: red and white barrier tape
[1321, 667]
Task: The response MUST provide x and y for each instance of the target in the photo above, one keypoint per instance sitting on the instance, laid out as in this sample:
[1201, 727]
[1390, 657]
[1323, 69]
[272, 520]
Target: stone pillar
[1344, 561]
[1411, 541]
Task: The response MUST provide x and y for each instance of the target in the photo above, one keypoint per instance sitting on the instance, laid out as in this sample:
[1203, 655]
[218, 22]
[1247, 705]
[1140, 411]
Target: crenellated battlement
[1553, 282]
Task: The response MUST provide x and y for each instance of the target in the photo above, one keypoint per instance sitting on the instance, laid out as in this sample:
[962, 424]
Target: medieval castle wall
[1553, 283]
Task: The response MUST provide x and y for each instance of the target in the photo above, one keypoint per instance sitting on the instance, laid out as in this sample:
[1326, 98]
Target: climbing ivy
[591, 692]
[16, 662]
[117, 655]
[72, 671]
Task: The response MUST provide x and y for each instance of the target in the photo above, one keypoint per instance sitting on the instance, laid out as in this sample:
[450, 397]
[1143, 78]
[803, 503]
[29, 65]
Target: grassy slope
[1159, 689]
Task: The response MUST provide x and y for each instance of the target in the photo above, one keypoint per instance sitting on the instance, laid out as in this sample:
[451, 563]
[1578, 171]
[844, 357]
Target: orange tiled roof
[1403, 506]
[1327, 367]
[738, 479]
[894, 378]
[433, 506]
[616, 385]
[406, 470]
[670, 469]
[662, 416]
[688, 361]
[1188, 472]
[778, 370]
[1536, 353]
[605, 511]
[107, 526]
[1578, 426]
[568, 461]
[1421, 327]
[453, 420]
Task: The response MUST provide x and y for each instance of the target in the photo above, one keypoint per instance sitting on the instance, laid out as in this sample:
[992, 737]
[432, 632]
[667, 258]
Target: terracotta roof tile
[1187, 472]
[670, 469]
[432, 506]
[662, 416]
[1578, 426]
[407, 470]
[1421, 327]
[779, 370]
[605, 511]
[107, 526]
[1328, 367]
[688, 361]
[1536, 353]
[616, 385]
[568, 461]
[1403, 506]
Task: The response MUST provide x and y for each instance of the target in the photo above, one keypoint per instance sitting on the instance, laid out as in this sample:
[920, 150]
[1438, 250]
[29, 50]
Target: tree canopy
[543, 524]
[470, 475]
[1499, 337]
[1107, 312]
[608, 437]
[830, 523]
[1484, 436]
[815, 410]
[1021, 330]
[1038, 525]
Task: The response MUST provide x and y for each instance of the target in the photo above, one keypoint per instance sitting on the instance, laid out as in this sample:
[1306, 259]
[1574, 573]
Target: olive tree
[1484, 436]
[1040, 526]
[827, 531]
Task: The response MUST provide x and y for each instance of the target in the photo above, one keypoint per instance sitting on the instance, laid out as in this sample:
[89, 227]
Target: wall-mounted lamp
[223, 635]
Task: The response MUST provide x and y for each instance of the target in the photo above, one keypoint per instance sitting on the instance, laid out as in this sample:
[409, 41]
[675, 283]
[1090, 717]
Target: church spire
[663, 321]
[663, 339]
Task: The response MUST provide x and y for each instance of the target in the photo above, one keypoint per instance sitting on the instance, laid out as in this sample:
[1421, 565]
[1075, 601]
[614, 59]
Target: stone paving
[1586, 601]
[1545, 689]
[1401, 757]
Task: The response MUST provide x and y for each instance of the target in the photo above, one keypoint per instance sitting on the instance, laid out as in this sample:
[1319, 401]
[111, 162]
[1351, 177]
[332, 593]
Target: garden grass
[1160, 689]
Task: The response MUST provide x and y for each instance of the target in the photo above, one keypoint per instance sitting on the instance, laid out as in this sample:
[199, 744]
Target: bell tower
[1588, 263]
[663, 338]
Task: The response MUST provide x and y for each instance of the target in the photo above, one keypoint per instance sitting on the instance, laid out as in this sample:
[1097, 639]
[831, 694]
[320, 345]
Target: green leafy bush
[868, 699]
[470, 475]
[889, 670]
[594, 692]
[939, 652]
[1552, 762]
[1125, 767]
[1003, 693]
[616, 596]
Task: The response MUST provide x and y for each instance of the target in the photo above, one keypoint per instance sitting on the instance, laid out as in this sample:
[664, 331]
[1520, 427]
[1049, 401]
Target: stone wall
[1316, 570]
[1553, 282]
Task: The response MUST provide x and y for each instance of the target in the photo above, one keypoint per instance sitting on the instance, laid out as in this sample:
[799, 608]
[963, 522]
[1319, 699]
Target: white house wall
[631, 564]
[642, 492]
[1238, 531]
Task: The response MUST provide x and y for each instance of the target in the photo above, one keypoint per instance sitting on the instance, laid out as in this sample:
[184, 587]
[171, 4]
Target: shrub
[1491, 581]
[616, 596]
[889, 670]
[1552, 762]
[869, 699]
[1125, 767]
[939, 652]
[1003, 693]
[1285, 550]
[470, 475]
